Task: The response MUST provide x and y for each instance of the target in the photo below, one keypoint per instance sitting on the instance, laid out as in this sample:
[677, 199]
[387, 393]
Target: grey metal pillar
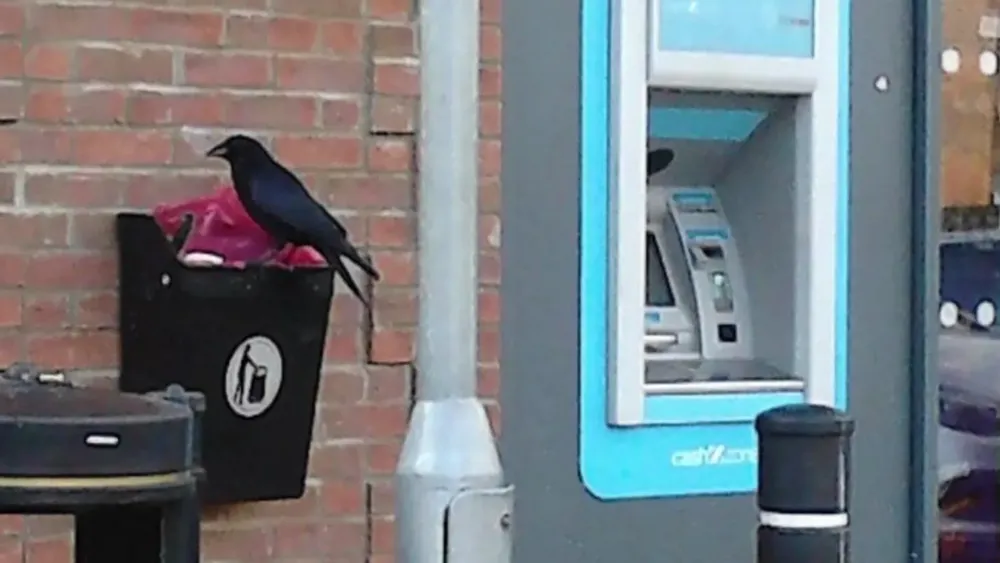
[452, 502]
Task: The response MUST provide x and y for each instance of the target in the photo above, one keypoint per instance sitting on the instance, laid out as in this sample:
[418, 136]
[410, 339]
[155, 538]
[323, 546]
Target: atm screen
[658, 292]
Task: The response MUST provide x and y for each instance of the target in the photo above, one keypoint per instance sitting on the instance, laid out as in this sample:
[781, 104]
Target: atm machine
[726, 166]
[698, 196]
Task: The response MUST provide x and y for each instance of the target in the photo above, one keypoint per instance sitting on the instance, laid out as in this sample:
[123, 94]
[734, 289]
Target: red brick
[7, 181]
[489, 157]
[489, 195]
[10, 310]
[382, 496]
[489, 119]
[78, 350]
[490, 82]
[489, 268]
[12, 99]
[49, 103]
[73, 190]
[11, 59]
[341, 115]
[319, 73]
[46, 311]
[397, 79]
[393, 115]
[393, 40]
[80, 22]
[235, 544]
[13, 269]
[196, 29]
[391, 231]
[11, 146]
[54, 550]
[342, 345]
[395, 306]
[154, 108]
[247, 31]
[33, 231]
[319, 152]
[388, 384]
[272, 112]
[145, 191]
[342, 385]
[292, 34]
[11, 348]
[227, 70]
[46, 146]
[390, 9]
[488, 382]
[391, 346]
[383, 535]
[381, 458]
[372, 192]
[489, 11]
[342, 497]
[71, 270]
[48, 526]
[338, 461]
[489, 306]
[50, 62]
[390, 155]
[489, 345]
[97, 310]
[490, 43]
[119, 65]
[329, 9]
[344, 38]
[397, 268]
[489, 231]
[11, 20]
[123, 147]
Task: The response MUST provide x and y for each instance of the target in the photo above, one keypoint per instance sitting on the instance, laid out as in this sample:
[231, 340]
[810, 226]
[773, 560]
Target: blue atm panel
[781, 28]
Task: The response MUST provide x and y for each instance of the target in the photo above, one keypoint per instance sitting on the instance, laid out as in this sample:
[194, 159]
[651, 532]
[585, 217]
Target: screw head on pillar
[801, 419]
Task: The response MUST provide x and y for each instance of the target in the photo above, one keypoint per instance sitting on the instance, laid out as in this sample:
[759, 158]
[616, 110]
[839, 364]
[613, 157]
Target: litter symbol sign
[253, 376]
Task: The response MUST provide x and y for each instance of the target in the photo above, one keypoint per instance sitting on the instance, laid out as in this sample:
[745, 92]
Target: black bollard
[802, 484]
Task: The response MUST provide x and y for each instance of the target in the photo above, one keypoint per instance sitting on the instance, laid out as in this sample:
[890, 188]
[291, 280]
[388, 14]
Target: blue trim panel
[662, 460]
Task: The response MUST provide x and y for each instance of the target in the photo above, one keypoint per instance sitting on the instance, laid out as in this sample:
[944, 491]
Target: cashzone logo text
[713, 455]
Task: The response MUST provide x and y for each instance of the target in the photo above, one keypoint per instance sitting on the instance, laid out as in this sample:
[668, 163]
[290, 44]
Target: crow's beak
[218, 151]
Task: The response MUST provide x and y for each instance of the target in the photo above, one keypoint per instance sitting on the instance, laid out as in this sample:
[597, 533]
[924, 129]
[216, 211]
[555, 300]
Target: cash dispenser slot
[698, 331]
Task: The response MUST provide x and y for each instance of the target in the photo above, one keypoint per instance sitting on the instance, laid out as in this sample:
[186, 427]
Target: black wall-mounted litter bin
[251, 340]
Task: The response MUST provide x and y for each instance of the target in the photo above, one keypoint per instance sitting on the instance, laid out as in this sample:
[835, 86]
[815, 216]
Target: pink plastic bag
[223, 233]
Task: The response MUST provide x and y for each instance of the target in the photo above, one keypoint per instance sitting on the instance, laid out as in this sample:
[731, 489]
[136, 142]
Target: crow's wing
[278, 194]
[284, 199]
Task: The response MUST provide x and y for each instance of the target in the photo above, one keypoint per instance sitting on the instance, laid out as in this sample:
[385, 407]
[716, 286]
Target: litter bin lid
[53, 403]
[58, 430]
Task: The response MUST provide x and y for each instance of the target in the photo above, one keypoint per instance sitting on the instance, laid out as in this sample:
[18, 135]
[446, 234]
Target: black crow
[277, 201]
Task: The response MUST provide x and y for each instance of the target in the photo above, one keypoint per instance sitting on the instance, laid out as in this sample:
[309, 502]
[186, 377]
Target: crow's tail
[338, 266]
[351, 254]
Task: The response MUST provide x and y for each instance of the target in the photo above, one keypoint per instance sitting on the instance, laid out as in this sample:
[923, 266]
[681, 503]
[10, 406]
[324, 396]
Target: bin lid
[802, 419]
[26, 402]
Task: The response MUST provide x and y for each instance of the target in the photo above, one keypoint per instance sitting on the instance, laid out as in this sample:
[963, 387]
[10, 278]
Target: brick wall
[968, 109]
[117, 100]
